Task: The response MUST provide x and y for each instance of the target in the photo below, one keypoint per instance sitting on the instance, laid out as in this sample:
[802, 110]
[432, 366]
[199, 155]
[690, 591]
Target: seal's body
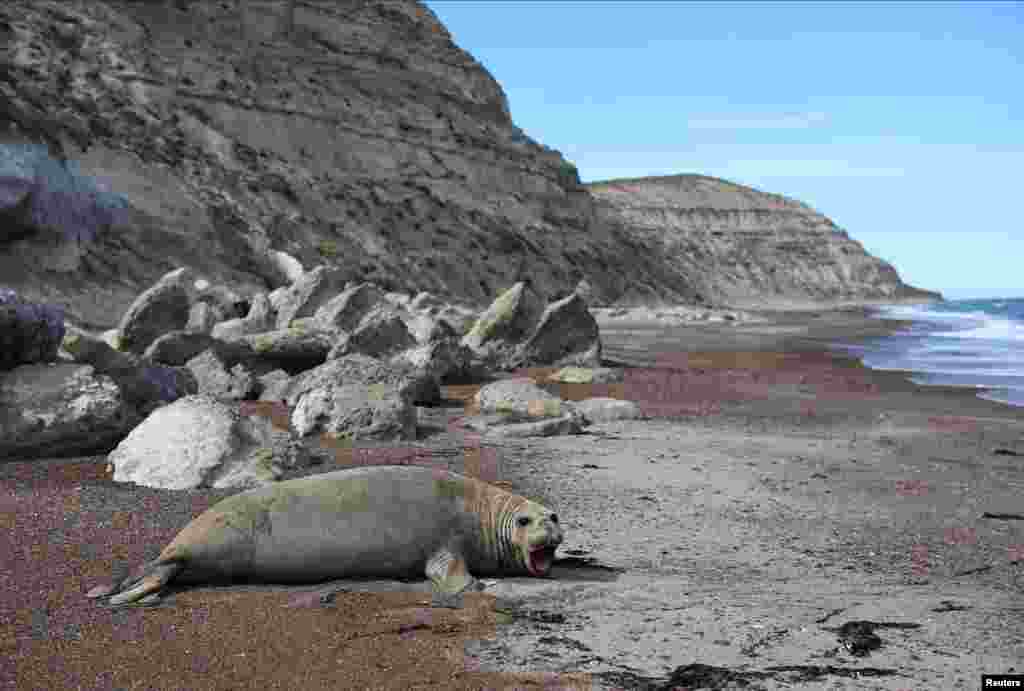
[381, 521]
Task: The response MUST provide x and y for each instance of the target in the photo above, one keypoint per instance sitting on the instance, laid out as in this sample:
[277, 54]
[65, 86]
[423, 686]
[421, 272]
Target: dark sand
[777, 491]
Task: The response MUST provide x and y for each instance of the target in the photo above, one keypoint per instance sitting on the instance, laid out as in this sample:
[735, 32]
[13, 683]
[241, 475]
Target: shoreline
[816, 486]
[632, 342]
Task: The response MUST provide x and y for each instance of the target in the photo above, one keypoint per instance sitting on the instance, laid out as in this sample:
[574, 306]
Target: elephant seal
[378, 521]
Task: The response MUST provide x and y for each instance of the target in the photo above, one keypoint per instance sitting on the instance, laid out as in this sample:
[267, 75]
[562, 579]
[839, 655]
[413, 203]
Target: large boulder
[223, 302]
[603, 409]
[145, 385]
[517, 407]
[509, 321]
[59, 410]
[215, 377]
[355, 395]
[426, 301]
[346, 310]
[201, 318]
[178, 347]
[515, 331]
[29, 332]
[504, 427]
[355, 411]
[274, 385]
[163, 307]
[260, 318]
[288, 267]
[308, 294]
[294, 349]
[518, 397]
[567, 334]
[460, 318]
[199, 441]
[586, 291]
[440, 357]
[299, 347]
[588, 375]
[380, 333]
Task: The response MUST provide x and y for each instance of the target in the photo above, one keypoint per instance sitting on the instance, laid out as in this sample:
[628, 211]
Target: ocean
[971, 343]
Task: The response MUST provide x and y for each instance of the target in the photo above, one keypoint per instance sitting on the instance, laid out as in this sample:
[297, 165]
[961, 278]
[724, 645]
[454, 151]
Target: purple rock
[29, 332]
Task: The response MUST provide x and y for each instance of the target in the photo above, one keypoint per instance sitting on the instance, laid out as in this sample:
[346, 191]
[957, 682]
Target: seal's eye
[554, 518]
[523, 521]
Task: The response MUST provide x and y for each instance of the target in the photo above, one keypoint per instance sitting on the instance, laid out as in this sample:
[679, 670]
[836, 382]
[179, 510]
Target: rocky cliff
[744, 247]
[349, 133]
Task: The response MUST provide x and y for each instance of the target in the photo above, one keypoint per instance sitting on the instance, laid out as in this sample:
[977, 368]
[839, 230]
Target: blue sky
[902, 122]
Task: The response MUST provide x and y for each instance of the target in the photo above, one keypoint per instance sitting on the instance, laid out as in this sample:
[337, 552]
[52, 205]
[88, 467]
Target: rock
[199, 441]
[29, 333]
[425, 328]
[260, 318]
[518, 408]
[215, 378]
[510, 319]
[294, 349]
[439, 357]
[600, 409]
[566, 334]
[178, 347]
[345, 310]
[224, 302]
[589, 375]
[461, 319]
[585, 290]
[274, 385]
[289, 267]
[234, 330]
[398, 299]
[518, 396]
[112, 338]
[380, 333]
[426, 301]
[516, 332]
[355, 368]
[261, 311]
[163, 307]
[308, 294]
[355, 396]
[550, 427]
[201, 318]
[143, 384]
[276, 298]
[355, 411]
[60, 410]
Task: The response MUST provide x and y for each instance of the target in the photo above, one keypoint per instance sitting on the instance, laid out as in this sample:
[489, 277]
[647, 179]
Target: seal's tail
[142, 587]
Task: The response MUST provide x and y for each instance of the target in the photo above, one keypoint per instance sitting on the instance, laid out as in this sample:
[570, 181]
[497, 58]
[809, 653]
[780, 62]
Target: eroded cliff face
[349, 133]
[744, 247]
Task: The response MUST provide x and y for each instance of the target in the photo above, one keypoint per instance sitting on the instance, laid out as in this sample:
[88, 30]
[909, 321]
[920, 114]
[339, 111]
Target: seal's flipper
[451, 578]
[136, 588]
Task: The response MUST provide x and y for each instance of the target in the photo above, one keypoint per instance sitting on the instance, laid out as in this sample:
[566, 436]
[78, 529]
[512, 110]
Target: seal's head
[535, 537]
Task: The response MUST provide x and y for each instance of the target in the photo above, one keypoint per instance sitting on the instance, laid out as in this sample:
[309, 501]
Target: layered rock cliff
[350, 133]
[744, 247]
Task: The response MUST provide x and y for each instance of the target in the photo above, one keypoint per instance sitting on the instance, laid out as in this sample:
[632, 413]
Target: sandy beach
[775, 496]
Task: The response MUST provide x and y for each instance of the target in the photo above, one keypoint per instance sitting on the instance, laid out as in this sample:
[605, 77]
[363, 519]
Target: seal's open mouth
[540, 559]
